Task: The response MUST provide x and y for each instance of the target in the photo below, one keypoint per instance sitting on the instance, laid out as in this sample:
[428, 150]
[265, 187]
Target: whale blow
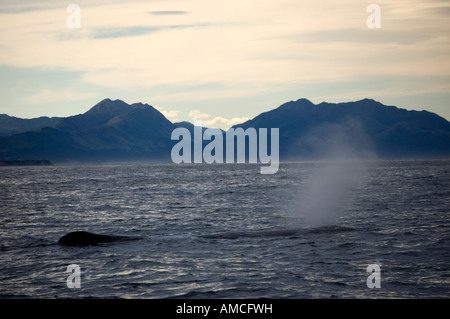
[82, 238]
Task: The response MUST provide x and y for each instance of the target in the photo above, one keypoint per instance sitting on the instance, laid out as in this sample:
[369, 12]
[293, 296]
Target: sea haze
[393, 213]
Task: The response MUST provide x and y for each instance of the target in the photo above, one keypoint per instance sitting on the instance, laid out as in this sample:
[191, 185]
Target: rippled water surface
[391, 213]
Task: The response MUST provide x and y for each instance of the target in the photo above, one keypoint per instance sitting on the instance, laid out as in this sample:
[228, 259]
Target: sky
[221, 62]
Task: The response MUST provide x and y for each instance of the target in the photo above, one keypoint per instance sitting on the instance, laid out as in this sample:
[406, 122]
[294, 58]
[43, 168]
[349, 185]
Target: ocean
[218, 230]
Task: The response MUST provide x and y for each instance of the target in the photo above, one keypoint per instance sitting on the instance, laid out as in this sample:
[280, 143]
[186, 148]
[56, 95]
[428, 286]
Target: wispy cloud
[197, 115]
[216, 122]
[360, 36]
[275, 42]
[173, 12]
[170, 114]
[223, 123]
[104, 33]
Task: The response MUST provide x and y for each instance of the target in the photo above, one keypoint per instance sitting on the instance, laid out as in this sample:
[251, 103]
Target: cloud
[170, 114]
[104, 33]
[235, 42]
[220, 122]
[168, 12]
[216, 122]
[362, 36]
[197, 115]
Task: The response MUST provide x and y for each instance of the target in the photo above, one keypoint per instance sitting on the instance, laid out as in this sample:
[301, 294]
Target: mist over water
[342, 152]
[330, 190]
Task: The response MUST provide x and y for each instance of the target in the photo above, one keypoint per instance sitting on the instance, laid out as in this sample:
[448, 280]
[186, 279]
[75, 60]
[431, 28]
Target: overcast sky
[222, 61]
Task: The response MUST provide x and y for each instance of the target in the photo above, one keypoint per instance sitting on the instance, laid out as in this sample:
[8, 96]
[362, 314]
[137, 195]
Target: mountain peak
[109, 106]
[304, 101]
[295, 105]
[98, 115]
[299, 102]
[367, 101]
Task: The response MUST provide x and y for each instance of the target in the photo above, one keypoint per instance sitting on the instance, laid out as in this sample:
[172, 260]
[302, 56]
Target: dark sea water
[345, 216]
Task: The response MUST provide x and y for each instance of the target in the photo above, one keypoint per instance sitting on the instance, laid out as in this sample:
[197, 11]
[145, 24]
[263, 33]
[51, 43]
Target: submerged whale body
[278, 233]
[252, 234]
[82, 238]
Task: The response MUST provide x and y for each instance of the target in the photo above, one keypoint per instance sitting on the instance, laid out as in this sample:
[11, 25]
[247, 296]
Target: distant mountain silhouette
[110, 131]
[96, 117]
[113, 131]
[10, 125]
[313, 130]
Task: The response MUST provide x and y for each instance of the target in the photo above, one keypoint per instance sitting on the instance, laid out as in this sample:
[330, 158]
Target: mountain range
[114, 131]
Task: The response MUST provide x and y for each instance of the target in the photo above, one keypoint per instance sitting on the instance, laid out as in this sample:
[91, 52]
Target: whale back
[82, 238]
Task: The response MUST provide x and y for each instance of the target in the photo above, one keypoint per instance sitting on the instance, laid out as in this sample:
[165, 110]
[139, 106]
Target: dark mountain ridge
[113, 130]
[387, 131]
[109, 131]
[10, 125]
